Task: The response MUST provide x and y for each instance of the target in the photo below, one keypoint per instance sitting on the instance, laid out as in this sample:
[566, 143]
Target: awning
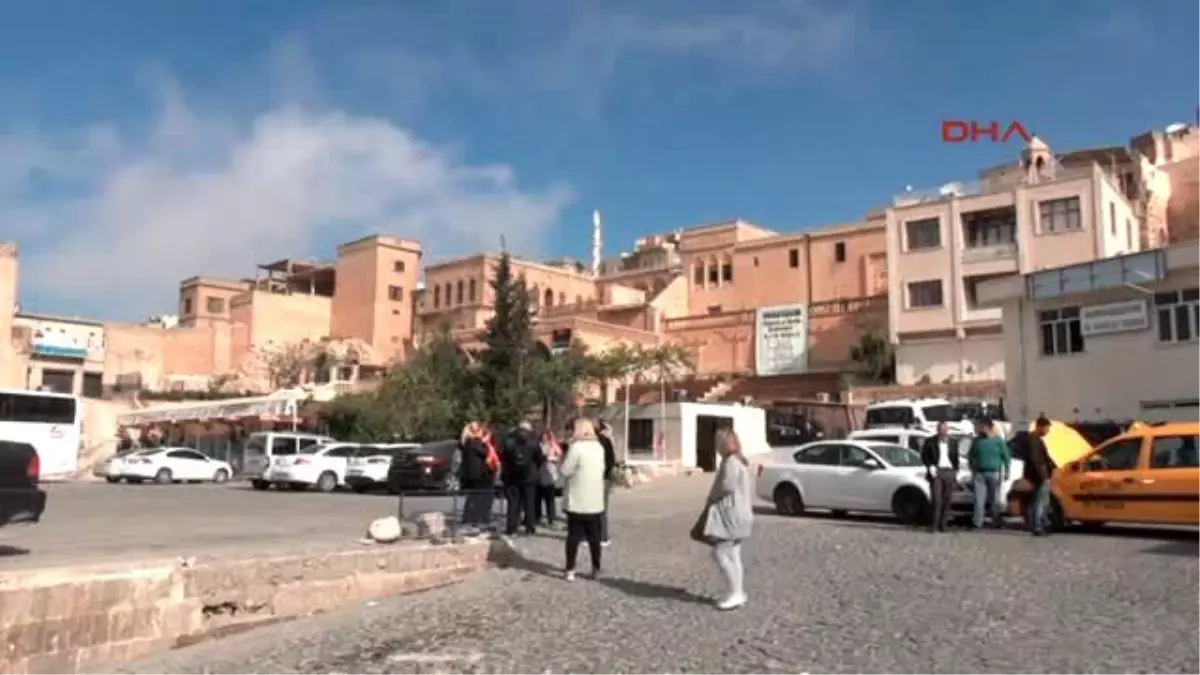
[264, 407]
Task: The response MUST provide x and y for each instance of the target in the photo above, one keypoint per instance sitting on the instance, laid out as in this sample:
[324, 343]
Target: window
[641, 436]
[215, 305]
[1112, 218]
[1178, 315]
[398, 266]
[852, 455]
[1174, 452]
[1060, 215]
[1117, 456]
[306, 443]
[395, 293]
[756, 261]
[549, 301]
[794, 257]
[698, 274]
[1061, 331]
[284, 445]
[713, 272]
[839, 252]
[826, 454]
[727, 271]
[342, 451]
[714, 309]
[890, 416]
[446, 292]
[437, 296]
[923, 294]
[923, 234]
[187, 454]
[458, 295]
[885, 438]
[37, 408]
[187, 305]
[993, 227]
[1128, 235]
[471, 291]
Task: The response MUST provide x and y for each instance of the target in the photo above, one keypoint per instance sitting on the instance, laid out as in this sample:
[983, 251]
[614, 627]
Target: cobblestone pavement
[827, 595]
[87, 522]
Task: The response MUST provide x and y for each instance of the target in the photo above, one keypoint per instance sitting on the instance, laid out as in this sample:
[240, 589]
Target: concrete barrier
[74, 619]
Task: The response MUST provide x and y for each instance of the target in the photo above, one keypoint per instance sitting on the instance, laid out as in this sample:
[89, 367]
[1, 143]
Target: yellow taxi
[1148, 474]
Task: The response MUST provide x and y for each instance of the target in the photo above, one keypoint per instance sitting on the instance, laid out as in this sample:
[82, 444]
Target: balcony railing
[989, 252]
[995, 183]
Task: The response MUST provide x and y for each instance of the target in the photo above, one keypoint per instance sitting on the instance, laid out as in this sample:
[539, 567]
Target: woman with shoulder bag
[728, 517]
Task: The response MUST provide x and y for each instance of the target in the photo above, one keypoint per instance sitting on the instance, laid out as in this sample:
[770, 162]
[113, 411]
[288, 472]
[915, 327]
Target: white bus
[50, 422]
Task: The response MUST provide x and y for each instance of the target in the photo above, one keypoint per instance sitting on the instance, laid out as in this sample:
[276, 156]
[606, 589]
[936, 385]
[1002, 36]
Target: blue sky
[142, 142]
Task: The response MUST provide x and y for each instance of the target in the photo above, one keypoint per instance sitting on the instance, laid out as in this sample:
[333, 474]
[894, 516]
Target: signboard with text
[781, 340]
[1114, 317]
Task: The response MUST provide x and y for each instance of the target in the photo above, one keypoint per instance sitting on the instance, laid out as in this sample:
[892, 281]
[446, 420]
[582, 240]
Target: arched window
[698, 273]
[446, 291]
[713, 271]
[458, 295]
[549, 300]
[727, 269]
[471, 290]
[437, 296]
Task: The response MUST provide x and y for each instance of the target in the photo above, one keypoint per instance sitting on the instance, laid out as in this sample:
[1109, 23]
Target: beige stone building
[1107, 339]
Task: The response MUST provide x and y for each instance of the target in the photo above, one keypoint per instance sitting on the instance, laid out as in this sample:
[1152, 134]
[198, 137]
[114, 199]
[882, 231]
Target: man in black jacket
[519, 461]
[1039, 468]
[610, 465]
[939, 454]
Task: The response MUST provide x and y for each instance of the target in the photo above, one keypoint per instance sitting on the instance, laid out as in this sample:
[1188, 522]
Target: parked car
[846, 476]
[1146, 475]
[263, 447]
[312, 466]
[115, 468]
[369, 469]
[175, 465]
[21, 501]
[432, 466]
[922, 413]
[964, 497]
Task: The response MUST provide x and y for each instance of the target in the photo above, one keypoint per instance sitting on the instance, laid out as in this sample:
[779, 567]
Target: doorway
[707, 427]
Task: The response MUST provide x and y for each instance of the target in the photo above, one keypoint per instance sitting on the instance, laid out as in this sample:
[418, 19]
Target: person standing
[519, 461]
[474, 476]
[989, 460]
[610, 469]
[728, 517]
[548, 477]
[1039, 469]
[583, 498]
[939, 454]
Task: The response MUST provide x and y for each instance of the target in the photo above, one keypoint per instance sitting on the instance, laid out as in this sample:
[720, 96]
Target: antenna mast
[597, 242]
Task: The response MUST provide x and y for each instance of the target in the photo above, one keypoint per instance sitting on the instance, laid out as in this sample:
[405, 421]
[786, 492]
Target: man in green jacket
[990, 462]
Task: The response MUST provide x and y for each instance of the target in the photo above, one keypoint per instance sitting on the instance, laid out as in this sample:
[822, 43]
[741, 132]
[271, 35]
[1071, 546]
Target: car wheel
[788, 501]
[910, 506]
[327, 482]
[112, 479]
[259, 484]
[163, 477]
[220, 476]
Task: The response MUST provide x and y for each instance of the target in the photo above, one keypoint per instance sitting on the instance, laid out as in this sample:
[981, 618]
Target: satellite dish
[1176, 128]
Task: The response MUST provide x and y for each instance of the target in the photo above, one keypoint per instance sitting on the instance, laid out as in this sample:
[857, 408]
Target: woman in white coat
[728, 517]
[583, 494]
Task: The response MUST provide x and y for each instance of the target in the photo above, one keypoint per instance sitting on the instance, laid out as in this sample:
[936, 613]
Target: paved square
[827, 595]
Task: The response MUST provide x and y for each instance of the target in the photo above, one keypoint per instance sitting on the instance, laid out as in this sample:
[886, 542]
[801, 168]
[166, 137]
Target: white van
[922, 413]
[262, 446]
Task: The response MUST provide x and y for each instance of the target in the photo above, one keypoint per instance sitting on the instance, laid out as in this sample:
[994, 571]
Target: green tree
[505, 366]
[874, 357]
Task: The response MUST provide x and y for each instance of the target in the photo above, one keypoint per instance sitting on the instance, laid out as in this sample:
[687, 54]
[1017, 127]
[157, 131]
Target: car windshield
[897, 455]
[256, 444]
[941, 412]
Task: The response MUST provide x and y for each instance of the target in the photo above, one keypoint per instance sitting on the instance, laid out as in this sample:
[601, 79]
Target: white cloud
[199, 195]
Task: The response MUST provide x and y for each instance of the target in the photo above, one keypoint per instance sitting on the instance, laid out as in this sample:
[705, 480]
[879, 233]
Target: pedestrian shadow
[12, 551]
[648, 589]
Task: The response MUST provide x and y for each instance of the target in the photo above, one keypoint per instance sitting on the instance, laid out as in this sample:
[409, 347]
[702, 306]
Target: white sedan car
[175, 465]
[845, 476]
[369, 469]
[320, 466]
[113, 468]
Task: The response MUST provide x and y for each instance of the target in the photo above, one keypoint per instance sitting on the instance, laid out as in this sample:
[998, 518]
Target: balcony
[1002, 251]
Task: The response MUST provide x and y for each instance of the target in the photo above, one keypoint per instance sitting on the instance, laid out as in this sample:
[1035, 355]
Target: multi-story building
[941, 246]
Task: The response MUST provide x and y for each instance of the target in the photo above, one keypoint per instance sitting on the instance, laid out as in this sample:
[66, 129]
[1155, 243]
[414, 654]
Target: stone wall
[77, 619]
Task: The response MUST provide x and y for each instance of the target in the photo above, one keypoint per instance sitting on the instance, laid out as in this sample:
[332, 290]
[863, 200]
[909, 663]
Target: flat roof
[60, 319]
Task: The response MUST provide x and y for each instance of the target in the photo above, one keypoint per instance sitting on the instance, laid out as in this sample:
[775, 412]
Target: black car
[20, 499]
[432, 466]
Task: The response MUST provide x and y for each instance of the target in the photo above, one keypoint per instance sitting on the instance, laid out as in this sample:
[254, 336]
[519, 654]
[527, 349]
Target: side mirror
[871, 464]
